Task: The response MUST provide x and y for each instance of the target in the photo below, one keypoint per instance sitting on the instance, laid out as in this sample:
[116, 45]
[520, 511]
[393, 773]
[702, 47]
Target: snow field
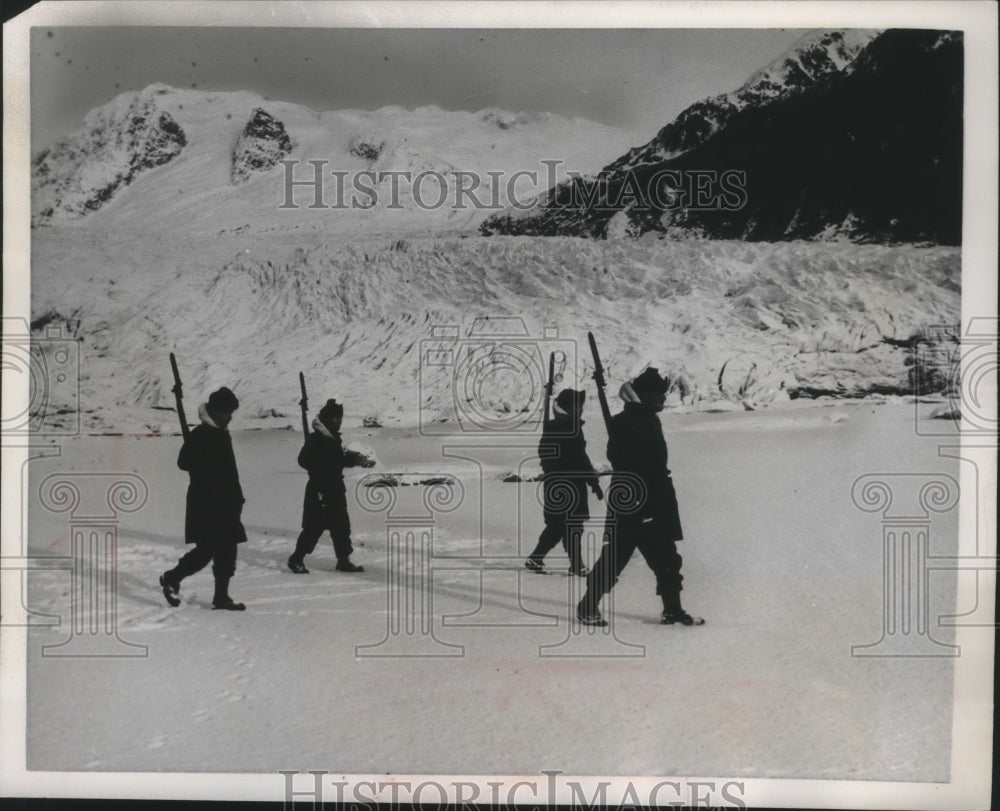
[787, 571]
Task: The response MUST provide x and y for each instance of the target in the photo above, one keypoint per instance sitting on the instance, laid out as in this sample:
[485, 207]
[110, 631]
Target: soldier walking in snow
[325, 504]
[214, 503]
[567, 474]
[642, 508]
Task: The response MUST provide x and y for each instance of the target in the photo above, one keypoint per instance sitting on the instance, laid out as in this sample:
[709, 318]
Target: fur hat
[569, 399]
[332, 410]
[650, 382]
[223, 400]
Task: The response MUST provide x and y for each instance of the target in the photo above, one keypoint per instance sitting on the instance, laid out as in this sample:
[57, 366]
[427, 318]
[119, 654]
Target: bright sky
[638, 80]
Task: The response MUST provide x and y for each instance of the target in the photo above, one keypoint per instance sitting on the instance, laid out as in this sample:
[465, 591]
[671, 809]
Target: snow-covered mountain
[163, 158]
[840, 138]
[164, 224]
[117, 144]
[815, 56]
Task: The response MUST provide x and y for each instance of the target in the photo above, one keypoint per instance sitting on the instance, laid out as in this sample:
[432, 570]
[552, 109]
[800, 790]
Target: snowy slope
[102, 173]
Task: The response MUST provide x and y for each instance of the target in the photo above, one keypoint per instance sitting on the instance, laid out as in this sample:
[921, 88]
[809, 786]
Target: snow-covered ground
[784, 566]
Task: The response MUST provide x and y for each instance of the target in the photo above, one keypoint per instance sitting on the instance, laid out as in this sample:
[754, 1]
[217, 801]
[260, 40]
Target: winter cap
[568, 399]
[332, 410]
[650, 382]
[223, 400]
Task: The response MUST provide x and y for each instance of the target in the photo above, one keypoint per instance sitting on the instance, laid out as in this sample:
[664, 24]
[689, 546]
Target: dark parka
[214, 496]
[324, 457]
[638, 451]
[567, 469]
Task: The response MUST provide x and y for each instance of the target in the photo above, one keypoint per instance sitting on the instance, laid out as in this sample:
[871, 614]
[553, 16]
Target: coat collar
[319, 428]
[206, 419]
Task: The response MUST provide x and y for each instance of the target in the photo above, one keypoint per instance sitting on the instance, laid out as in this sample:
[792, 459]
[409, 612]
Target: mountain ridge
[74, 180]
[844, 158]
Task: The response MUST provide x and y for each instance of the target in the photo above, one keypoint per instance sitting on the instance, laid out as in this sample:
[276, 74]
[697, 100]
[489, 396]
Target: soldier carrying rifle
[214, 502]
[642, 510]
[325, 503]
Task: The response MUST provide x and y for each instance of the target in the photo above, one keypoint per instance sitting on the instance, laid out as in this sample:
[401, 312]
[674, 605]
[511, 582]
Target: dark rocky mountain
[260, 146]
[871, 152]
[814, 57]
[117, 143]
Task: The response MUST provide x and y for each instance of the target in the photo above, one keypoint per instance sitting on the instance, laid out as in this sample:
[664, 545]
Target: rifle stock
[550, 385]
[179, 397]
[304, 405]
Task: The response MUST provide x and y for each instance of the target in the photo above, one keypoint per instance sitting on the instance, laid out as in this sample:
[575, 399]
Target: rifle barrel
[304, 405]
[601, 383]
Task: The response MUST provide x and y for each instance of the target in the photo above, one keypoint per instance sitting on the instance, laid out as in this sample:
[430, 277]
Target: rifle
[304, 405]
[601, 383]
[550, 386]
[179, 396]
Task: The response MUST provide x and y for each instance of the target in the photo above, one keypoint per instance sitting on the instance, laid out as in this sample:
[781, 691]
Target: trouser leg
[618, 548]
[663, 558]
[572, 541]
[223, 568]
[340, 527]
[194, 561]
[547, 541]
[306, 542]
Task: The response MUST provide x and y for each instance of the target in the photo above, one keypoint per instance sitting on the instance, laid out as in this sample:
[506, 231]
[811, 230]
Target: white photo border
[972, 733]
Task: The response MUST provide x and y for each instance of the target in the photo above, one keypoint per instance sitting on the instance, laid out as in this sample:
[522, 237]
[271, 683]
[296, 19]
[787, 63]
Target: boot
[535, 565]
[222, 600]
[589, 614]
[345, 565]
[297, 565]
[673, 613]
[228, 605]
[171, 588]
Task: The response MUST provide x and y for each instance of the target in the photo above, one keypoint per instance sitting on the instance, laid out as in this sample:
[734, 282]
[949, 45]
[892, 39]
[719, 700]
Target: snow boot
[670, 617]
[222, 601]
[170, 590]
[297, 566]
[227, 604]
[535, 566]
[590, 616]
[673, 613]
[345, 565]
